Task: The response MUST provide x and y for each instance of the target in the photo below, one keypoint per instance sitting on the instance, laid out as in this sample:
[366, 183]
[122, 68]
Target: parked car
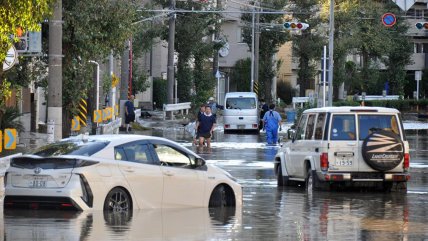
[115, 173]
[346, 146]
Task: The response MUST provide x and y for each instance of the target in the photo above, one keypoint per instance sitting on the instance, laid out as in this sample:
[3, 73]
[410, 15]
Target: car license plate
[38, 182]
[241, 126]
[343, 162]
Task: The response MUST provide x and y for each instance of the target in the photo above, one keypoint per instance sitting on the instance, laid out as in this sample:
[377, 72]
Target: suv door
[301, 146]
[343, 144]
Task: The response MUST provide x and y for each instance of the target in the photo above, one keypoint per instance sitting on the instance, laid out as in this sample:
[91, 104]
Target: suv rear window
[343, 127]
[370, 123]
[70, 148]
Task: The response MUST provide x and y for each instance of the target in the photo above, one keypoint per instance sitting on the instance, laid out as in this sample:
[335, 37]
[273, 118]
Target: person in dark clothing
[129, 112]
[205, 126]
[200, 112]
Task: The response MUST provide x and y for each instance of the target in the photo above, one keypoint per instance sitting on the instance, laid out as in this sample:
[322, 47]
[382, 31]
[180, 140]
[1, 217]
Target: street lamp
[98, 82]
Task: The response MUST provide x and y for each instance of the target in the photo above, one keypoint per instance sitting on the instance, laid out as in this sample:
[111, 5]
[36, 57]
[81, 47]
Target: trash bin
[291, 116]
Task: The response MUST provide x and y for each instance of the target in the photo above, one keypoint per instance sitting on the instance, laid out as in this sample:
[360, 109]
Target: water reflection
[158, 224]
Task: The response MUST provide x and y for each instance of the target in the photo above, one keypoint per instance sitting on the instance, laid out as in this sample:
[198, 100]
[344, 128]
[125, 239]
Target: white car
[346, 146]
[117, 173]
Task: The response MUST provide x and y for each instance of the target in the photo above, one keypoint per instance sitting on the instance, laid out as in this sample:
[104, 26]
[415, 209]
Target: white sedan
[117, 173]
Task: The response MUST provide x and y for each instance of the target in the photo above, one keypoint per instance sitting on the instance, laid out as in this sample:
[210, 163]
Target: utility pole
[216, 39]
[124, 73]
[170, 67]
[252, 49]
[55, 71]
[256, 52]
[330, 55]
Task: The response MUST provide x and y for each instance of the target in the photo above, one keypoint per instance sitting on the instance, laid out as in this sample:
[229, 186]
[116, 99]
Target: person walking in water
[129, 112]
[272, 121]
[205, 126]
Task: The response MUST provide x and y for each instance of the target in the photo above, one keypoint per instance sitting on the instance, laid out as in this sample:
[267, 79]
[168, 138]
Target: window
[310, 127]
[70, 148]
[301, 128]
[343, 127]
[240, 103]
[319, 127]
[371, 123]
[169, 156]
[133, 153]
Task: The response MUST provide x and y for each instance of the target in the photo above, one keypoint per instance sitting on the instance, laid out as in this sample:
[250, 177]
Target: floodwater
[268, 212]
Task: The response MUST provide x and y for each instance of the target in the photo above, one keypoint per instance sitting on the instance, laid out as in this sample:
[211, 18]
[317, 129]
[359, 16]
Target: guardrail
[174, 107]
[377, 97]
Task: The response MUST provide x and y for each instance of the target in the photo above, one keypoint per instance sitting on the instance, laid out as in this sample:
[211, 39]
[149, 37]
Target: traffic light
[295, 26]
[422, 25]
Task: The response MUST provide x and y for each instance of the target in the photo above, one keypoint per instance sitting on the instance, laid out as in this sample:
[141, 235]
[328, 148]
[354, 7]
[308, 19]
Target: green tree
[92, 30]
[307, 44]
[241, 75]
[272, 37]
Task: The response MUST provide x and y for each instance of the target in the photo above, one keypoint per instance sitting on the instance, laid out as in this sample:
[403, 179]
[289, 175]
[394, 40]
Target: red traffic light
[295, 26]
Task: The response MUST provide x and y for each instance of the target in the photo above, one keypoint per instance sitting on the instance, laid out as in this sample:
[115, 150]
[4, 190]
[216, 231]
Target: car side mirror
[199, 162]
[291, 133]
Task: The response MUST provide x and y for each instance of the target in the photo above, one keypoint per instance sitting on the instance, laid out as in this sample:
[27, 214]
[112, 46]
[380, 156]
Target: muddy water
[268, 213]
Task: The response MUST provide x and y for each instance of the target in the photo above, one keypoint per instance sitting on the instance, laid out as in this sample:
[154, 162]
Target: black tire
[387, 186]
[310, 182]
[221, 197]
[383, 150]
[281, 180]
[118, 201]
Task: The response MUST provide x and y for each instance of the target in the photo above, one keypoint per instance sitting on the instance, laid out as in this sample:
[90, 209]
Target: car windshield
[70, 148]
[240, 103]
[371, 123]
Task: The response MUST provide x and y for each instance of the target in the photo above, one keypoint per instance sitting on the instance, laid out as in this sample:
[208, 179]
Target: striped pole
[83, 112]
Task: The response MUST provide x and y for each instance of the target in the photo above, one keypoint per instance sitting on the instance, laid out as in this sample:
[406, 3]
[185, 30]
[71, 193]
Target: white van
[241, 111]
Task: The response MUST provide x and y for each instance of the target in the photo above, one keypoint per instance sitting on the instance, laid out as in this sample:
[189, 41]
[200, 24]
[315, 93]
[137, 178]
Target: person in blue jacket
[272, 121]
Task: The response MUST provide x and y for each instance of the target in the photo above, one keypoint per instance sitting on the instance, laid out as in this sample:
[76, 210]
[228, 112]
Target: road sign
[107, 113]
[389, 19]
[9, 139]
[11, 58]
[98, 118]
[83, 112]
[75, 124]
[1, 138]
[404, 4]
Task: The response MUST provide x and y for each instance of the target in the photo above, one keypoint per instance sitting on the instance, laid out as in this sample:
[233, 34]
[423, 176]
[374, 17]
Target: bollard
[51, 131]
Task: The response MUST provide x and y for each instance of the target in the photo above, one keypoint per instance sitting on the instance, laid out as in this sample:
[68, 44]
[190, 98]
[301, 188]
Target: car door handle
[168, 174]
[129, 170]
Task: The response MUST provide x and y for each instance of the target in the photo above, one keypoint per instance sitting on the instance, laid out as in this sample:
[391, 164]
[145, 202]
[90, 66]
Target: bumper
[364, 177]
[77, 195]
[241, 127]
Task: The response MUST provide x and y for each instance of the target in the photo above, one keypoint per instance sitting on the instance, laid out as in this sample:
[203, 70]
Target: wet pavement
[268, 212]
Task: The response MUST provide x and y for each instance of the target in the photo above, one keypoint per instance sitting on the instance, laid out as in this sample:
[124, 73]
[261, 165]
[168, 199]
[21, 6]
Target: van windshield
[240, 103]
[371, 123]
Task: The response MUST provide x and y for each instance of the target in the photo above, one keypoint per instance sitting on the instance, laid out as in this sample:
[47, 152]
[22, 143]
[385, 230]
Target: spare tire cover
[383, 150]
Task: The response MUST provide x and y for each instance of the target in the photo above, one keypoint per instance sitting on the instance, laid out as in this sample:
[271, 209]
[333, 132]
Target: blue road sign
[389, 19]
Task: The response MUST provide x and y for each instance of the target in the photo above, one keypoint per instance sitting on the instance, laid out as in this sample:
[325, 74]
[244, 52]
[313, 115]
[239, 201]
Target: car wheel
[118, 201]
[383, 150]
[310, 182]
[281, 180]
[221, 197]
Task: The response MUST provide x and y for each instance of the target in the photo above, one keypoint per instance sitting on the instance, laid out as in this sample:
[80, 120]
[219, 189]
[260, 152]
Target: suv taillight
[324, 161]
[406, 162]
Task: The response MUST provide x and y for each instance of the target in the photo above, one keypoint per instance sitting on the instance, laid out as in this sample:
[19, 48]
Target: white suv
[346, 146]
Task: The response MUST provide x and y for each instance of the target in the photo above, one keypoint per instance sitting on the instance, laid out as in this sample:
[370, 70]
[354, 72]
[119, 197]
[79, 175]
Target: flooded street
[268, 212]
